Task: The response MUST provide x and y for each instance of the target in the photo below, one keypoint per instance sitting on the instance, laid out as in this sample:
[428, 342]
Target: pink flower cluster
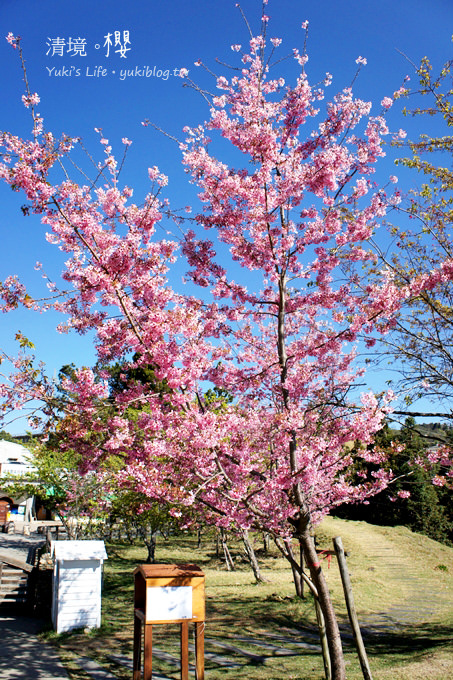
[277, 324]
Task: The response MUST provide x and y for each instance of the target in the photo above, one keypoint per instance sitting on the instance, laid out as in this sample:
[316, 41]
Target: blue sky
[163, 37]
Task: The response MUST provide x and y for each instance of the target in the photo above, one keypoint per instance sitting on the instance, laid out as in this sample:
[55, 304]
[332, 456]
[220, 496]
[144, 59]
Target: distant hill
[435, 432]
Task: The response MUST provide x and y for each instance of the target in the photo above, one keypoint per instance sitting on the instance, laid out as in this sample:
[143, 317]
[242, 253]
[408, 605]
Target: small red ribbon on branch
[323, 554]
[326, 554]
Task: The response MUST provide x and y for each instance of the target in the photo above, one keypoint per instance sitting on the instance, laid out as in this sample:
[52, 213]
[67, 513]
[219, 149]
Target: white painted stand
[77, 581]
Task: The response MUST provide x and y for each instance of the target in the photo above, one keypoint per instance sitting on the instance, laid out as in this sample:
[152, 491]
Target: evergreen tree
[411, 500]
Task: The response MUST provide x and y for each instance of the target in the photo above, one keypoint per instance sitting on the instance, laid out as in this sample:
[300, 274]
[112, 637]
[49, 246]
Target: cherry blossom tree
[277, 324]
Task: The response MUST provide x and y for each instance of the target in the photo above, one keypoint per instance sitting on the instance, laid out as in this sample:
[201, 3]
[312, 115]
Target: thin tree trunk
[150, 544]
[294, 567]
[324, 642]
[151, 547]
[217, 543]
[301, 521]
[298, 574]
[228, 559]
[300, 578]
[251, 556]
[302, 565]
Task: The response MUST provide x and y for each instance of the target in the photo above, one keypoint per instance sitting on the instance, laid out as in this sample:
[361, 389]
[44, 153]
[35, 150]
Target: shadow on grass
[120, 562]
[260, 626]
[408, 640]
[294, 624]
[274, 619]
[273, 612]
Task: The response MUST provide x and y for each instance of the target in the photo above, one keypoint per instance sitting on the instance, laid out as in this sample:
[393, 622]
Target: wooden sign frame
[168, 594]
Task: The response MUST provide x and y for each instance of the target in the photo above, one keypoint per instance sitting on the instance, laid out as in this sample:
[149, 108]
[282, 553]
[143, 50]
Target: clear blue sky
[164, 36]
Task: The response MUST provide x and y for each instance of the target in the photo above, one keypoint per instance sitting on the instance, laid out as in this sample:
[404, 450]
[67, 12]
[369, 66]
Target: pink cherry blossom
[30, 100]
[277, 324]
[403, 494]
[13, 40]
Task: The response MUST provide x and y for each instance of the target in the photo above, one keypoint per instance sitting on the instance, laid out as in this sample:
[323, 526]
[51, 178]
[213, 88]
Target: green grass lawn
[392, 570]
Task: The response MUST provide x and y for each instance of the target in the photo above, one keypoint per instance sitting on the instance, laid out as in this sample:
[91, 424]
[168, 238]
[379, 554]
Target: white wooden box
[77, 581]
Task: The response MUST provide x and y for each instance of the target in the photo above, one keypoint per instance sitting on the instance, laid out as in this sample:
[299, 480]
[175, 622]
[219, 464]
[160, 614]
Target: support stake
[347, 589]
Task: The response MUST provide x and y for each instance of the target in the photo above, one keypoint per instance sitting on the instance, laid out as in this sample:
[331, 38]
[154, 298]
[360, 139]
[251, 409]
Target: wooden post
[148, 652]
[347, 588]
[137, 647]
[185, 650]
[199, 650]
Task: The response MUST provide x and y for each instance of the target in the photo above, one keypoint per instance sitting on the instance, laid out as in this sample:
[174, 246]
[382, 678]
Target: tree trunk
[302, 522]
[228, 559]
[150, 545]
[251, 556]
[302, 565]
[68, 527]
[325, 603]
[324, 642]
[297, 578]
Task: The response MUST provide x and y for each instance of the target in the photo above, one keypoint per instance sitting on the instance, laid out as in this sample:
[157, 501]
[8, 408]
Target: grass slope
[403, 591]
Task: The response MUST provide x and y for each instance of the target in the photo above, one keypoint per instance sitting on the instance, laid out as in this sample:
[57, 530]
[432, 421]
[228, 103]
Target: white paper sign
[168, 603]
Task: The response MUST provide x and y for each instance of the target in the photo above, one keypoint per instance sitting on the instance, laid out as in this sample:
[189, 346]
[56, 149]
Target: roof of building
[78, 550]
[10, 452]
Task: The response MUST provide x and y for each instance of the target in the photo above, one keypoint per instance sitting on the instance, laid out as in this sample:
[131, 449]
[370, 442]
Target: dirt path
[411, 587]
